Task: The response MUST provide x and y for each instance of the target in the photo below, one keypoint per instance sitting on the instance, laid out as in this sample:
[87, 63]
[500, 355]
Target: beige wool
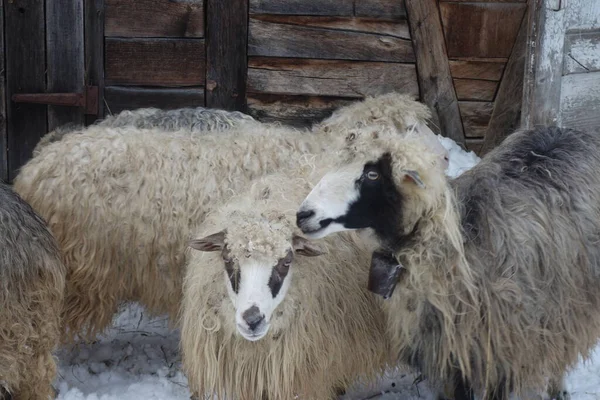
[122, 201]
[328, 332]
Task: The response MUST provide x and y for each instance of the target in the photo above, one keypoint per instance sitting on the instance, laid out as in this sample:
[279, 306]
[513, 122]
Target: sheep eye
[373, 175]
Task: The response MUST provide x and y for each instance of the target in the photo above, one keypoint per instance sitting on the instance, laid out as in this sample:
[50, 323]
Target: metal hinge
[88, 100]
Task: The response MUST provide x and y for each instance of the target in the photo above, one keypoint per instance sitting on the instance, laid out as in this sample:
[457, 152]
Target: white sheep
[501, 265]
[121, 201]
[267, 314]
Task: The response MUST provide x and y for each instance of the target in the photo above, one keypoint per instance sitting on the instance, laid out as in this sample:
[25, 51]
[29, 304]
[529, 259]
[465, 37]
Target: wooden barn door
[45, 72]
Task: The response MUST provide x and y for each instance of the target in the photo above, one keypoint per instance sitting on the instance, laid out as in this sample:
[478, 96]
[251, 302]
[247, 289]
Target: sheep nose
[302, 216]
[253, 317]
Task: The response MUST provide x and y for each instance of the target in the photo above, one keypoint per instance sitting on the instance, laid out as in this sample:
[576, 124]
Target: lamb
[267, 313]
[32, 280]
[500, 266]
[121, 202]
[197, 120]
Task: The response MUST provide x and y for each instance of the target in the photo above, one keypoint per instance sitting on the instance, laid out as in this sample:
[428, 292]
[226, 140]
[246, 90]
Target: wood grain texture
[580, 97]
[287, 37]
[475, 117]
[481, 29]
[475, 89]
[474, 145]
[64, 57]
[384, 27]
[25, 73]
[348, 8]
[488, 70]
[154, 18]
[226, 54]
[543, 66]
[298, 111]
[128, 98]
[3, 136]
[94, 52]
[435, 81]
[329, 78]
[582, 52]
[506, 115]
[483, 1]
[155, 62]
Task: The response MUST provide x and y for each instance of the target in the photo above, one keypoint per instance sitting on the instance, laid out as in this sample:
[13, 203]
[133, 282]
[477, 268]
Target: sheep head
[258, 265]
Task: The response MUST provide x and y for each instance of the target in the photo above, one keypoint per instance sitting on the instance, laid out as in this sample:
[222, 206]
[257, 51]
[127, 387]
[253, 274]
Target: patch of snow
[138, 357]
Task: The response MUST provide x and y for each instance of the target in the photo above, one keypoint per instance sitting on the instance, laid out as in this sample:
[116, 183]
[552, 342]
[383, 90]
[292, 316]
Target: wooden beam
[507, 107]
[544, 65]
[226, 54]
[64, 57]
[94, 52]
[154, 18]
[435, 81]
[392, 9]
[475, 89]
[301, 37]
[25, 73]
[155, 62]
[349, 79]
[476, 116]
[3, 137]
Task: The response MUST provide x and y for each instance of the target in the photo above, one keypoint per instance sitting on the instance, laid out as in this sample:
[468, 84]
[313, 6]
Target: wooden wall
[154, 54]
[308, 57]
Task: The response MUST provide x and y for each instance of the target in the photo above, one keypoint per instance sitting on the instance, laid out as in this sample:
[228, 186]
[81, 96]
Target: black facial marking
[232, 272]
[379, 205]
[279, 272]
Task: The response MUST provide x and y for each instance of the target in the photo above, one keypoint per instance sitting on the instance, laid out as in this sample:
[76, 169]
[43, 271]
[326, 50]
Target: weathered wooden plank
[543, 65]
[475, 89]
[155, 62]
[25, 73]
[435, 81]
[347, 8]
[329, 77]
[275, 39]
[3, 136]
[582, 52]
[475, 117]
[507, 107]
[64, 57]
[580, 101]
[129, 98]
[226, 54]
[582, 14]
[299, 111]
[94, 52]
[488, 70]
[154, 18]
[474, 145]
[394, 28]
[481, 29]
[483, 1]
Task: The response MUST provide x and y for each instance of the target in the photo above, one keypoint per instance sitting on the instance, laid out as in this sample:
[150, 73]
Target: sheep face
[380, 187]
[256, 281]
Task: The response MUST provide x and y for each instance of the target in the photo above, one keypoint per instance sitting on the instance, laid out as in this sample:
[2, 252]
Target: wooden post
[506, 114]
[435, 81]
[3, 137]
[544, 64]
[25, 73]
[94, 52]
[64, 55]
[226, 54]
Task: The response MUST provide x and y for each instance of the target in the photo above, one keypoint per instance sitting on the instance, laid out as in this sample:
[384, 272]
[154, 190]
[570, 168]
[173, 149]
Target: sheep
[197, 120]
[121, 201]
[501, 265]
[32, 280]
[267, 313]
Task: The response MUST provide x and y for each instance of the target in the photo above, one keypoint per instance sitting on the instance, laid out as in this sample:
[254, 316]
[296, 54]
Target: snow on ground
[138, 357]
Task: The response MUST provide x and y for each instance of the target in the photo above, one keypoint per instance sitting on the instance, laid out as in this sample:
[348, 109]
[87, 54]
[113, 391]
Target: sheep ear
[414, 177]
[214, 242]
[305, 247]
